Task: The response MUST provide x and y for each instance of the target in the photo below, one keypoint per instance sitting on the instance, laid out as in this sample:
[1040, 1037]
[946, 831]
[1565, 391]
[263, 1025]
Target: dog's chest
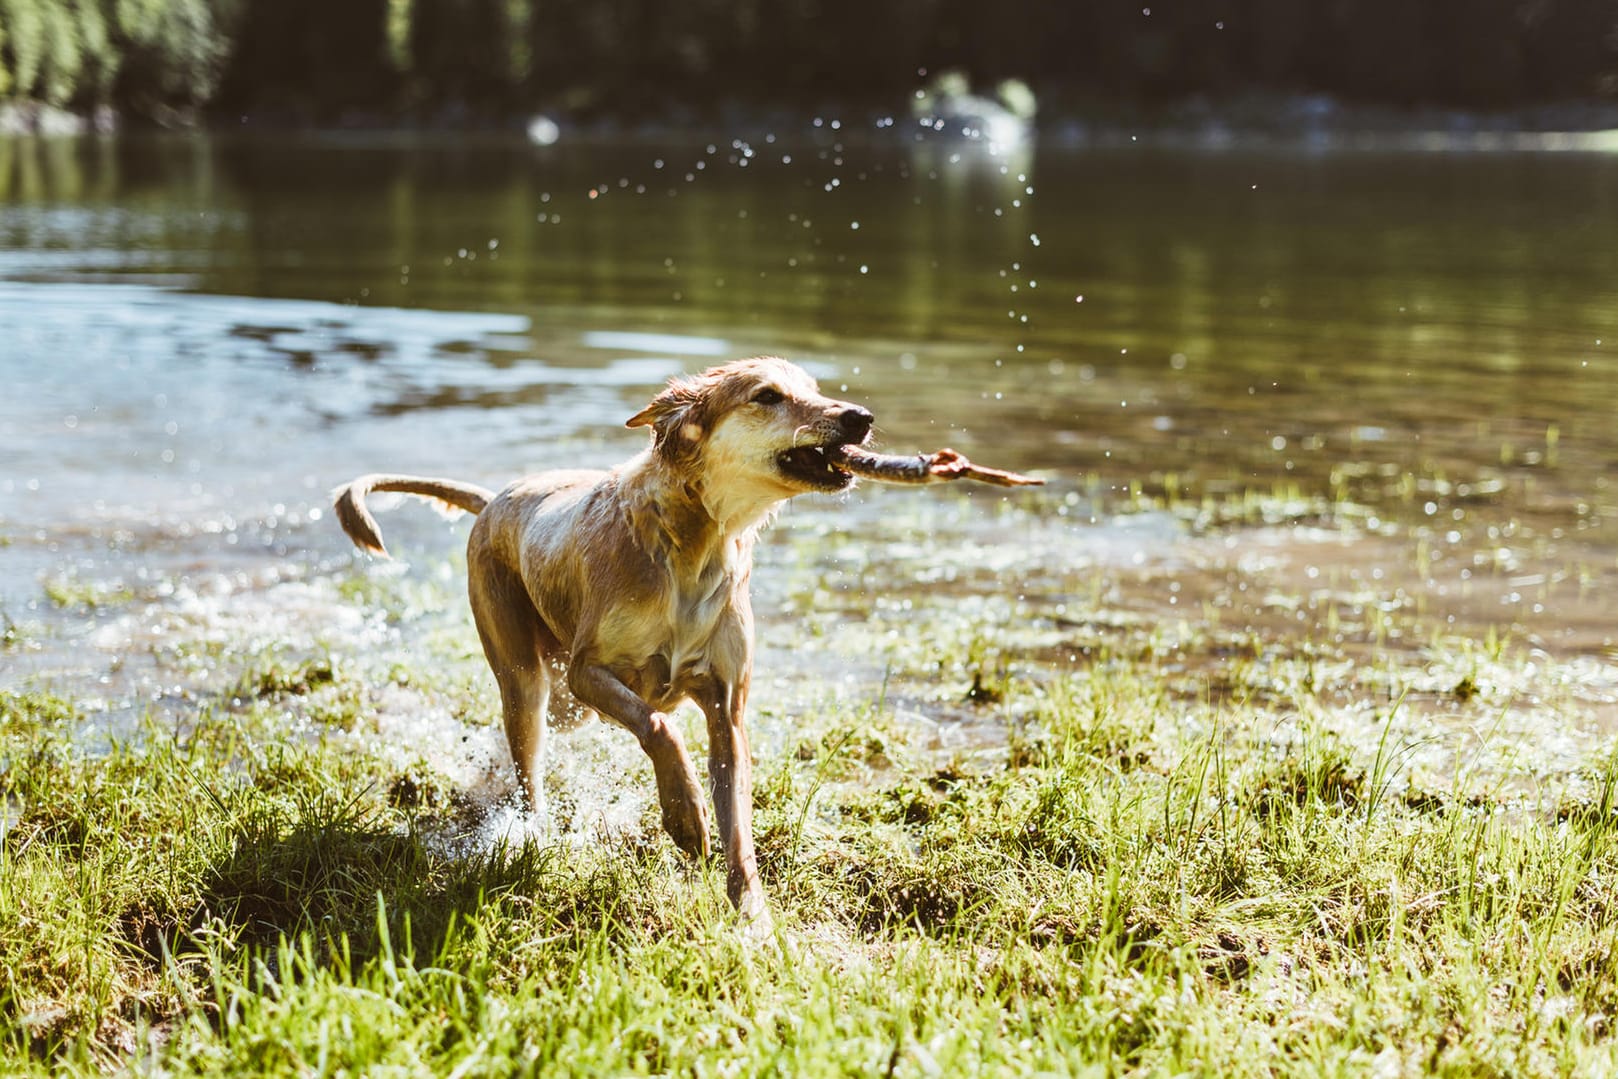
[687, 626]
[702, 612]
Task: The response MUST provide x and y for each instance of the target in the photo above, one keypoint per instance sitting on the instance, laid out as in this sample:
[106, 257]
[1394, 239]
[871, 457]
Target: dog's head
[759, 425]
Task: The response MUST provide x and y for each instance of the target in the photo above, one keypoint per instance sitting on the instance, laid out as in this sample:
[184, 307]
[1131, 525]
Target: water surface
[1349, 404]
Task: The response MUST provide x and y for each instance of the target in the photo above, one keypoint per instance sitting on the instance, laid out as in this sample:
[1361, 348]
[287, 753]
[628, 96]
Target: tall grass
[236, 901]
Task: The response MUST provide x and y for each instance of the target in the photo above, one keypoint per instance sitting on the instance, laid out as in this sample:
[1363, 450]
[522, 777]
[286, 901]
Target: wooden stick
[939, 467]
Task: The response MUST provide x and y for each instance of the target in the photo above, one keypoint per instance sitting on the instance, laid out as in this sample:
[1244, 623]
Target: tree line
[488, 60]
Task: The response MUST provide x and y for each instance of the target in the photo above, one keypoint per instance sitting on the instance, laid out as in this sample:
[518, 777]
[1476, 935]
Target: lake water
[1351, 408]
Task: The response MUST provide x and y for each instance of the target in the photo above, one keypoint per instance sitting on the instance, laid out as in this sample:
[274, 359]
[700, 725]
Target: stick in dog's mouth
[820, 466]
[939, 467]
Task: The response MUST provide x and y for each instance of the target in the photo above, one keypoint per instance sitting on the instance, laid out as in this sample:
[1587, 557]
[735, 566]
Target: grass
[1117, 894]
[72, 593]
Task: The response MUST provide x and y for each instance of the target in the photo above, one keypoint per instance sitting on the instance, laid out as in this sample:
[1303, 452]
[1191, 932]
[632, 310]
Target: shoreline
[1307, 120]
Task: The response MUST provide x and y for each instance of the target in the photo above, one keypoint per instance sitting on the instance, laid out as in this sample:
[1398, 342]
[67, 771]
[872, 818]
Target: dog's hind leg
[566, 711]
[514, 641]
[522, 707]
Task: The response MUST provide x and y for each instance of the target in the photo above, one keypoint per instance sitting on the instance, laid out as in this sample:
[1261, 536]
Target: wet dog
[631, 585]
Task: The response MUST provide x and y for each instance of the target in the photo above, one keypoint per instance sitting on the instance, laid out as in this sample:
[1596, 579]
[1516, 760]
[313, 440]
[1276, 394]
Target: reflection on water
[1224, 317]
[1412, 350]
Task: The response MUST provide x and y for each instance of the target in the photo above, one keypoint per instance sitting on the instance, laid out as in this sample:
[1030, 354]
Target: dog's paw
[687, 824]
[754, 923]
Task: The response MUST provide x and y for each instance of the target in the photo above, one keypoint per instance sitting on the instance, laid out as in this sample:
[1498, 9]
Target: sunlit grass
[1133, 886]
[73, 593]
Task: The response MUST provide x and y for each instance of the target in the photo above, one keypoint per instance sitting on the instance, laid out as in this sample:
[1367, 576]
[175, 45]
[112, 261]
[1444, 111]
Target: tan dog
[635, 581]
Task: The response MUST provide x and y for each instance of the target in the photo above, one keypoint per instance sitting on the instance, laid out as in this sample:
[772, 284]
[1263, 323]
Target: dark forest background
[485, 61]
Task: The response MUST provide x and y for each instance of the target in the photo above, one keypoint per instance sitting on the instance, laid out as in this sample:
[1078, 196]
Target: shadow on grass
[321, 869]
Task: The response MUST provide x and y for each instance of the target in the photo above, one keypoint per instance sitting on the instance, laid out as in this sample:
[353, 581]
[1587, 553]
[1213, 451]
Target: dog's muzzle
[810, 466]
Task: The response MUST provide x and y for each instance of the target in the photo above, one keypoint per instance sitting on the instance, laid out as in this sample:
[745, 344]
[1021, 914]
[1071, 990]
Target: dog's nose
[855, 421]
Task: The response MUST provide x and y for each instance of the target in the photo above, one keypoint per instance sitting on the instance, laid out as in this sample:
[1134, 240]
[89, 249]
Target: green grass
[73, 593]
[1118, 894]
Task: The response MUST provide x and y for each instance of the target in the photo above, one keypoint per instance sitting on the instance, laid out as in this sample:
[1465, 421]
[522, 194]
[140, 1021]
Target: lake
[1324, 426]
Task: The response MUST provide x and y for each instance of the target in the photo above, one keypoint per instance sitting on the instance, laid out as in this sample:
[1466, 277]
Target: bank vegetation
[494, 60]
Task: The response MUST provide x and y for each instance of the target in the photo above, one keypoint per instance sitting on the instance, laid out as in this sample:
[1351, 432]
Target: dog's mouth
[811, 466]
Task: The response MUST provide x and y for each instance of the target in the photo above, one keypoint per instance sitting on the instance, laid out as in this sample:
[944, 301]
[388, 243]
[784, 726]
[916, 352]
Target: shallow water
[1350, 404]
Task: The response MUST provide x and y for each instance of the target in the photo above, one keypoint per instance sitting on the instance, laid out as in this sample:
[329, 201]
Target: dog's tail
[361, 526]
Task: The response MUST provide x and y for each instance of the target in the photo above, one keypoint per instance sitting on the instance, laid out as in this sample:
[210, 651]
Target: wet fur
[630, 586]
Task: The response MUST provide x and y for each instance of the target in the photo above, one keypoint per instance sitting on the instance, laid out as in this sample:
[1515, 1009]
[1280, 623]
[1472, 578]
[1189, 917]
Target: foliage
[507, 57]
[139, 52]
[173, 48]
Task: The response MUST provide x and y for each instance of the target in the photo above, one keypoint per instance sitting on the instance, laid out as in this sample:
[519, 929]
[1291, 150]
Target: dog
[631, 585]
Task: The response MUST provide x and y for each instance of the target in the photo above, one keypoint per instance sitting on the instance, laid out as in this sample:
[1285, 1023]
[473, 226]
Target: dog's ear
[666, 407]
[675, 415]
[656, 411]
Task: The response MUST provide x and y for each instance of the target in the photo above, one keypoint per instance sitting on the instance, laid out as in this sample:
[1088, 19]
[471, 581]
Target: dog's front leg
[678, 793]
[730, 768]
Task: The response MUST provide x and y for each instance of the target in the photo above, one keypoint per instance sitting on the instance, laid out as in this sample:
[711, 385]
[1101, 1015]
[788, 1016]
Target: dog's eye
[768, 396]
